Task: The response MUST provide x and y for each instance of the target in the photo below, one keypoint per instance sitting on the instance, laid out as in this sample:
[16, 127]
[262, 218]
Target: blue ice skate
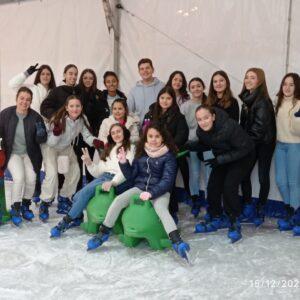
[27, 213]
[97, 240]
[234, 232]
[181, 248]
[61, 227]
[15, 216]
[44, 211]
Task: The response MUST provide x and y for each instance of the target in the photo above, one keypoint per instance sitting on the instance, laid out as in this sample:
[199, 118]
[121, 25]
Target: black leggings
[263, 155]
[224, 181]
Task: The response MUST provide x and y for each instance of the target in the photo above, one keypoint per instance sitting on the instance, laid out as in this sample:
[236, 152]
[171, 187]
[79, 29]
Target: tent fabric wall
[232, 35]
[53, 32]
[294, 61]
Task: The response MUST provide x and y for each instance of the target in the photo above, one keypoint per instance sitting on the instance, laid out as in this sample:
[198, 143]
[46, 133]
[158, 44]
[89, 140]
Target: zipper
[148, 171]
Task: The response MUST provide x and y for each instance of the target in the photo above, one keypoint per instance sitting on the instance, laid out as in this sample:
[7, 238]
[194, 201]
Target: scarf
[156, 152]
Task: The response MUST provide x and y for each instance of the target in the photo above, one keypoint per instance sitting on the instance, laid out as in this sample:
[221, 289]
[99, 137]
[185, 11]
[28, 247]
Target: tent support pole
[112, 15]
[288, 39]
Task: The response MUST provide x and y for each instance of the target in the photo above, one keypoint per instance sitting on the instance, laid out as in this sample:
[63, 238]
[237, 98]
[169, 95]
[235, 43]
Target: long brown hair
[111, 143]
[37, 79]
[262, 85]
[182, 91]
[60, 116]
[212, 98]
[280, 94]
[93, 88]
[166, 139]
[157, 111]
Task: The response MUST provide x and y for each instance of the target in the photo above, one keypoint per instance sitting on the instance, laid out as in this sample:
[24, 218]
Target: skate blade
[232, 242]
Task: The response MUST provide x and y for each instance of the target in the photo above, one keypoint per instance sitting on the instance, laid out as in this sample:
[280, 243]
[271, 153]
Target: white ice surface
[33, 266]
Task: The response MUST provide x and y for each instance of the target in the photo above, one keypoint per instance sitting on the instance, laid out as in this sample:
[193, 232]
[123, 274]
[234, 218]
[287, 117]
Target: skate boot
[76, 222]
[44, 211]
[260, 215]
[179, 245]
[99, 238]
[196, 205]
[27, 213]
[212, 225]
[248, 213]
[64, 205]
[234, 232]
[15, 213]
[61, 227]
[286, 223]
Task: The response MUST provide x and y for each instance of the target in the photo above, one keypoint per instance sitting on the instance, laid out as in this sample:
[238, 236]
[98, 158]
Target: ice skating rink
[264, 265]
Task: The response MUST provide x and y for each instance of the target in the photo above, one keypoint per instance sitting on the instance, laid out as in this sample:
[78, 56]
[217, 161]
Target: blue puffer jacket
[154, 175]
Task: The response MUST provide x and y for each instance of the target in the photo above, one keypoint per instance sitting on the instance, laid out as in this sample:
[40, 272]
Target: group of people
[131, 143]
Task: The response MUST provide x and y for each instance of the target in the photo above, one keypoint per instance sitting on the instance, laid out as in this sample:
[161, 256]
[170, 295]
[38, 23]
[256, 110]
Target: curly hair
[166, 139]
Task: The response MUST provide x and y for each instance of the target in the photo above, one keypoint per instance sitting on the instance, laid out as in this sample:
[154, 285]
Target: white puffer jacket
[132, 125]
[73, 128]
[111, 165]
[39, 92]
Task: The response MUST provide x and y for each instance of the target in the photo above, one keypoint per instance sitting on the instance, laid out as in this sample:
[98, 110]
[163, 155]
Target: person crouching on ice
[64, 127]
[153, 172]
[107, 173]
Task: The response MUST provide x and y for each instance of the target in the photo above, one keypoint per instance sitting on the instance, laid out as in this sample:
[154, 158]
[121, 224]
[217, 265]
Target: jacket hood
[153, 83]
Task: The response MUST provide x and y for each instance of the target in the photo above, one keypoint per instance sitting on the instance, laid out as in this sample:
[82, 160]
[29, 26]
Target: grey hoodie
[142, 96]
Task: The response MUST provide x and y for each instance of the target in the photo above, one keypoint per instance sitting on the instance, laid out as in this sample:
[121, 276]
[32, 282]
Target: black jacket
[105, 95]
[258, 117]
[95, 107]
[8, 125]
[175, 123]
[56, 99]
[227, 140]
[233, 110]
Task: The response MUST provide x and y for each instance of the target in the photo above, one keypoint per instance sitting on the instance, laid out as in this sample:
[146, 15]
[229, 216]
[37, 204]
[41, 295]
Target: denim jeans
[287, 172]
[195, 172]
[82, 197]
